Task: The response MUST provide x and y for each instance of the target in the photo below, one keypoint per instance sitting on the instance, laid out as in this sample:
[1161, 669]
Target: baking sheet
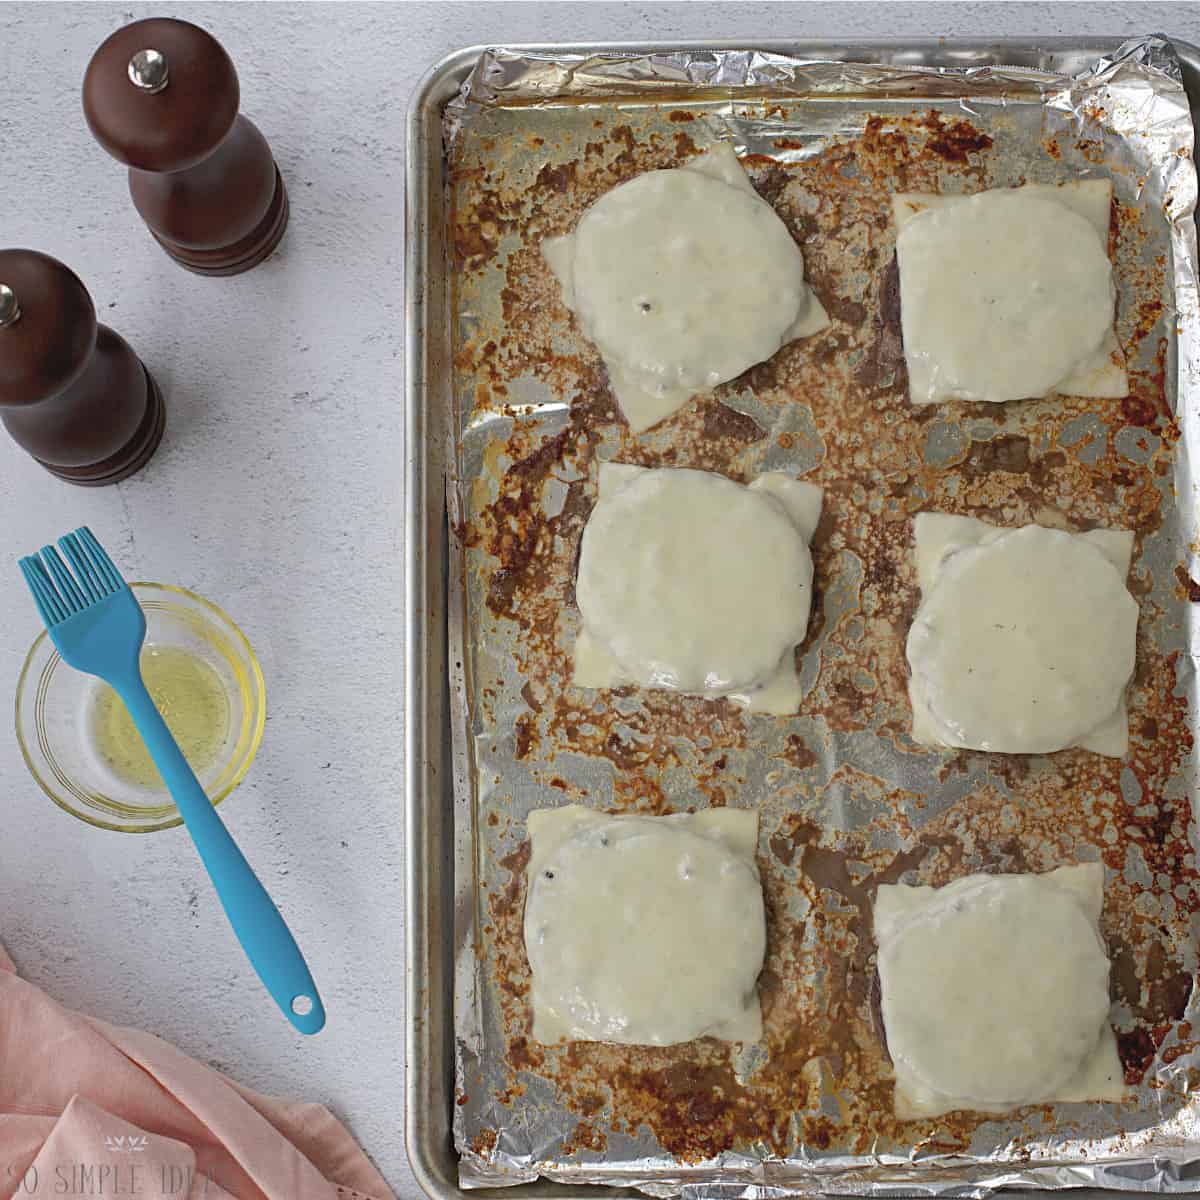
[846, 800]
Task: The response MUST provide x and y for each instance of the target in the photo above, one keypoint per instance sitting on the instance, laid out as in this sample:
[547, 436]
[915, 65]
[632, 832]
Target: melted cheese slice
[1009, 294]
[994, 992]
[683, 279]
[644, 930]
[691, 582]
[1024, 640]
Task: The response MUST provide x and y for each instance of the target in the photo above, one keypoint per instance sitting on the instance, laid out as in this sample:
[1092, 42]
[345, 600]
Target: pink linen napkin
[92, 1109]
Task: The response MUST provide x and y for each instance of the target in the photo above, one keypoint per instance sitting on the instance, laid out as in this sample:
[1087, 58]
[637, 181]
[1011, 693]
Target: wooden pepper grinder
[72, 392]
[162, 96]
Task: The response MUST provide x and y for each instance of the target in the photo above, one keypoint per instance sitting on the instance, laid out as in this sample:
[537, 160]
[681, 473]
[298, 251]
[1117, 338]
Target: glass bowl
[60, 714]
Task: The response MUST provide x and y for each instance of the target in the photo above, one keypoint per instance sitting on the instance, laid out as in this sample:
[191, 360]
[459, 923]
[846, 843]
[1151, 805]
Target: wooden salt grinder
[162, 96]
[72, 392]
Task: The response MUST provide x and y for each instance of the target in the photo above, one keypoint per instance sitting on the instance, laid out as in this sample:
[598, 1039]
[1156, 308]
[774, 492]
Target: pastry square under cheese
[683, 279]
[691, 582]
[1008, 294]
[644, 930]
[1024, 640]
[994, 992]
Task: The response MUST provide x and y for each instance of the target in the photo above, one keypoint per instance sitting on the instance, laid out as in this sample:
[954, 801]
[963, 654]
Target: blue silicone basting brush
[98, 627]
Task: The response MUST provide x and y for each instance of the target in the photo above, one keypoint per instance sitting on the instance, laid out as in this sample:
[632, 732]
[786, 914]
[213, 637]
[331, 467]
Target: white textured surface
[277, 493]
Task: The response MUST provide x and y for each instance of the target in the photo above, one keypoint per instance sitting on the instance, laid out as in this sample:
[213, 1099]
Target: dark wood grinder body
[162, 96]
[72, 392]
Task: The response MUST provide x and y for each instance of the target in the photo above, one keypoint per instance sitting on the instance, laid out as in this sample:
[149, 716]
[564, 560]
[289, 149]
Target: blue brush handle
[264, 934]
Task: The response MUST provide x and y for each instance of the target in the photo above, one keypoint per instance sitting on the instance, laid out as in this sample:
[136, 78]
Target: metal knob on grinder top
[162, 96]
[72, 392]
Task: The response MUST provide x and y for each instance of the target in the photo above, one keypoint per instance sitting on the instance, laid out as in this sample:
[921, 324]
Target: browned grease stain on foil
[819, 994]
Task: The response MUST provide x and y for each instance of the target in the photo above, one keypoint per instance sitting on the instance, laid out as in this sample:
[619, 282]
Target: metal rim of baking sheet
[429, 802]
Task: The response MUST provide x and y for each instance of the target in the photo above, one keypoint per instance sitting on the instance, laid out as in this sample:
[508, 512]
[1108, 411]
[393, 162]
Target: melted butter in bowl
[79, 742]
[188, 692]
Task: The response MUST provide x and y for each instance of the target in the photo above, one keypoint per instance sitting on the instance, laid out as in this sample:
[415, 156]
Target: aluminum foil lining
[846, 800]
